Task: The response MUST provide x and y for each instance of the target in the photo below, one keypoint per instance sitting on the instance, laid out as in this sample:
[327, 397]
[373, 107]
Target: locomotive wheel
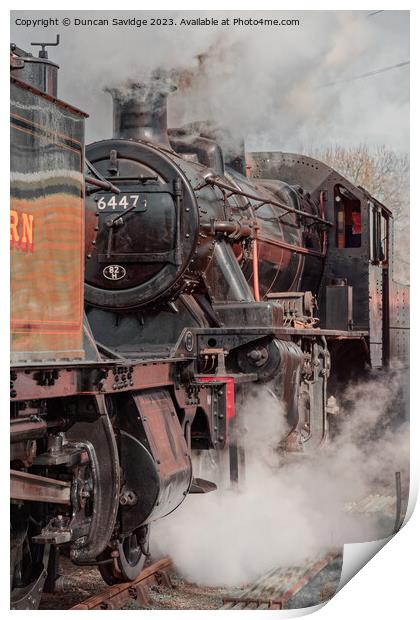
[132, 553]
[27, 562]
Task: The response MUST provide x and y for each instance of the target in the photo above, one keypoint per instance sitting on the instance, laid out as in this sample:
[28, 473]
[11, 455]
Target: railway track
[116, 596]
[317, 579]
[277, 588]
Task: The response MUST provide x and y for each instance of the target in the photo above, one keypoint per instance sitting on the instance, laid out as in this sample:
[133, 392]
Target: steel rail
[115, 596]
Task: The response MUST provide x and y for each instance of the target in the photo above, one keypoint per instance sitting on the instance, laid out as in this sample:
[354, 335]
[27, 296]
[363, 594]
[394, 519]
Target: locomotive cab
[357, 292]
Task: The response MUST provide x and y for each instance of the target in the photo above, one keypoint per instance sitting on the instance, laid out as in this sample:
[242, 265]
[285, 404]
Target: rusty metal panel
[46, 228]
[164, 434]
[154, 456]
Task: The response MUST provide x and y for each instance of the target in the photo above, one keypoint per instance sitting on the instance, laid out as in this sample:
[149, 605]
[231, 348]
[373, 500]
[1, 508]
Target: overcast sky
[288, 88]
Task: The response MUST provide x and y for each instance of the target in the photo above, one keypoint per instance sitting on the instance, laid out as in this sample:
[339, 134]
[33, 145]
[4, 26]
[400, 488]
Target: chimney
[140, 110]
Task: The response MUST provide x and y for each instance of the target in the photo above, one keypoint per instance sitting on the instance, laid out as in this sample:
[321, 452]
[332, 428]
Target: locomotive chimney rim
[140, 110]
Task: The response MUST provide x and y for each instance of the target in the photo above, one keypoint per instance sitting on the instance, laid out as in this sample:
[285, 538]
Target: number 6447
[122, 202]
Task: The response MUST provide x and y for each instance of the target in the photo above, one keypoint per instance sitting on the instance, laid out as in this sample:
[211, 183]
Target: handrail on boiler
[211, 180]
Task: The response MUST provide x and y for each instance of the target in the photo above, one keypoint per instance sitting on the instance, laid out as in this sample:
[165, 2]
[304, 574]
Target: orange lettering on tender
[27, 228]
[14, 219]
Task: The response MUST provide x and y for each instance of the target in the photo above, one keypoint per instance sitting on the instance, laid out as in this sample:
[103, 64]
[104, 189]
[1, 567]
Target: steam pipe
[255, 270]
[233, 228]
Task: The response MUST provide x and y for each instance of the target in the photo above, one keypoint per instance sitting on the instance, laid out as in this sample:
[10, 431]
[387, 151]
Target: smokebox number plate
[111, 202]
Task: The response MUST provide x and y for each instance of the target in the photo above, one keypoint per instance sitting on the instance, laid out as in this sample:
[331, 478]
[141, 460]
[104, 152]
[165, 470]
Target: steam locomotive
[157, 278]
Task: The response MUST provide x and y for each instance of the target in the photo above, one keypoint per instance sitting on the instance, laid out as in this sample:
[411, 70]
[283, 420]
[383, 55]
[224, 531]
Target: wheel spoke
[130, 560]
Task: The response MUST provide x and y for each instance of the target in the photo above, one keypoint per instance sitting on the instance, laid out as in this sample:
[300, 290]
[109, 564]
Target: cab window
[348, 220]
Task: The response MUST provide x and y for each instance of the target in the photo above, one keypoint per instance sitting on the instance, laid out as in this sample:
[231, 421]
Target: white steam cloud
[268, 84]
[292, 506]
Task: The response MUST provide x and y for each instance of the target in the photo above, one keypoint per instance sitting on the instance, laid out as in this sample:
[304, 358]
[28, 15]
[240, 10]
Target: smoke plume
[284, 88]
[294, 506]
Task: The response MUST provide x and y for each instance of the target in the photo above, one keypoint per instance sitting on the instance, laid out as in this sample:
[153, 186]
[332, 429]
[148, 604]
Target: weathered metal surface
[29, 487]
[257, 314]
[28, 597]
[39, 72]
[339, 307]
[25, 429]
[74, 381]
[154, 457]
[46, 228]
[105, 463]
[58, 102]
